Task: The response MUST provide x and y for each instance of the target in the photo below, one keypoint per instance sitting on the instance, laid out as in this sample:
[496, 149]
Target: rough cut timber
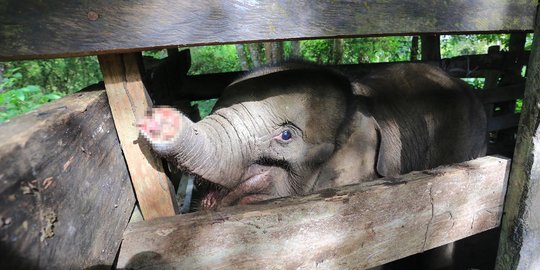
[353, 227]
[520, 235]
[65, 194]
[59, 28]
[129, 101]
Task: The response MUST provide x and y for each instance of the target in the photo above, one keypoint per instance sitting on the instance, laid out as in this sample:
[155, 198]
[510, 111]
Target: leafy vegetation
[21, 99]
[24, 85]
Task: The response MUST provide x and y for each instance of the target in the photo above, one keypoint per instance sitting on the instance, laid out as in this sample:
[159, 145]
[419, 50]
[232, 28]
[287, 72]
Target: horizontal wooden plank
[503, 122]
[209, 86]
[353, 227]
[65, 194]
[501, 94]
[56, 28]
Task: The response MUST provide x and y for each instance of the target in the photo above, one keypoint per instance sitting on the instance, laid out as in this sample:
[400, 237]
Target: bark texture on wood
[520, 235]
[241, 53]
[352, 227]
[273, 52]
[69, 28]
[129, 101]
[337, 51]
[296, 52]
[65, 194]
[255, 54]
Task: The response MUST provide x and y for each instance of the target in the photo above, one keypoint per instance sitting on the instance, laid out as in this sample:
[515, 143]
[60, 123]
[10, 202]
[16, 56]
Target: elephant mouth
[256, 187]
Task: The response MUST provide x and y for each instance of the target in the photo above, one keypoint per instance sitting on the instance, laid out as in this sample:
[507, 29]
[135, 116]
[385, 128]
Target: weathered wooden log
[352, 227]
[58, 28]
[65, 194]
[520, 230]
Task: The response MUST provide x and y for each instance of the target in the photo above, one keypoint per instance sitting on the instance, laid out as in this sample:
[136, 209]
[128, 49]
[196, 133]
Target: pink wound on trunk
[162, 124]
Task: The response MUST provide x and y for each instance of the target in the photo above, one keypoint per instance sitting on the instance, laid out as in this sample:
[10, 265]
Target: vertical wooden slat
[431, 47]
[129, 101]
[414, 49]
[520, 234]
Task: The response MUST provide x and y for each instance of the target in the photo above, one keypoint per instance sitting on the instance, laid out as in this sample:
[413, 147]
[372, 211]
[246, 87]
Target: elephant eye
[286, 135]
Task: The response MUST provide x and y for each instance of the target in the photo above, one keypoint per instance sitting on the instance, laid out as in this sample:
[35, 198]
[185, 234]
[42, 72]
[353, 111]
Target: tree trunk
[1, 75]
[273, 52]
[414, 48]
[254, 52]
[241, 52]
[337, 49]
[295, 53]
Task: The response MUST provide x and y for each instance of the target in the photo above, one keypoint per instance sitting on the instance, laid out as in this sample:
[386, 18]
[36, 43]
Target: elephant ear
[389, 152]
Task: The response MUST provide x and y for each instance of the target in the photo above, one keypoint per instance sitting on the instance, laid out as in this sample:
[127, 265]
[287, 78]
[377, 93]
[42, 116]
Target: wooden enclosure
[65, 198]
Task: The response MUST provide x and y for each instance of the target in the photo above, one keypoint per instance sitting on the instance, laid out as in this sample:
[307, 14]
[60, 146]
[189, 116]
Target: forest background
[24, 85]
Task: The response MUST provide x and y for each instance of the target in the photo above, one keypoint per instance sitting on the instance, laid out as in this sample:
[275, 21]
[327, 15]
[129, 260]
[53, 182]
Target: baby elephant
[297, 128]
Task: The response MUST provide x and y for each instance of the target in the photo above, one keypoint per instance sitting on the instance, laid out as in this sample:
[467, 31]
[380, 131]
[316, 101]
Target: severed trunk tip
[160, 126]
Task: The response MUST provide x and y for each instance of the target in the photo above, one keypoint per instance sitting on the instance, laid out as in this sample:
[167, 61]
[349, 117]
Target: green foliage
[318, 51]
[214, 59]
[456, 45]
[27, 84]
[205, 106]
[528, 41]
[17, 101]
[519, 106]
[66, 75]
[159, 54]
[475, 82]
[358, 50]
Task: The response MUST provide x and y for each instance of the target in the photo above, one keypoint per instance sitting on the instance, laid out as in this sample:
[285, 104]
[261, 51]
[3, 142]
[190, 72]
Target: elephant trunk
[209, 148]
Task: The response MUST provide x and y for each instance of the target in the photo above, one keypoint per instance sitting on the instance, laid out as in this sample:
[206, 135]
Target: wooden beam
[520, 234]
[431, 48]
[129, 101]
[353, 227]
[32, 29]
[209, 86]
[504, 121]
[501, 94]
[64, 186]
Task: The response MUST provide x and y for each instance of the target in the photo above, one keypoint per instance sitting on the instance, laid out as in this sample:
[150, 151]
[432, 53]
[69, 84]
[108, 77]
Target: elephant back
[425, 117]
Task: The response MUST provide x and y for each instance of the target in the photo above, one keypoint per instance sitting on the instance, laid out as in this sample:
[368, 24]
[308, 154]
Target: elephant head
[267, 137]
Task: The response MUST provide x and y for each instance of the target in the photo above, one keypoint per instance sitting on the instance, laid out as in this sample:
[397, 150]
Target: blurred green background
[24, 85]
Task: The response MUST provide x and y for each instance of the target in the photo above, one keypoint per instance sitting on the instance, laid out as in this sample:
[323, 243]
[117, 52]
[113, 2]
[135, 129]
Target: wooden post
[431, 48]
[64, 186]
[414, 49]
[129, 101]
[520, 231]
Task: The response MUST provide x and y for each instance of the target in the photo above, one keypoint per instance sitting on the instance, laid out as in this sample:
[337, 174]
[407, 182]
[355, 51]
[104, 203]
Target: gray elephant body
[297, 128]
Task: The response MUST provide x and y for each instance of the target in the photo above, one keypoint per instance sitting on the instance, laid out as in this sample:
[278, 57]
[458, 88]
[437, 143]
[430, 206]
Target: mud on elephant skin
[297, 128]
